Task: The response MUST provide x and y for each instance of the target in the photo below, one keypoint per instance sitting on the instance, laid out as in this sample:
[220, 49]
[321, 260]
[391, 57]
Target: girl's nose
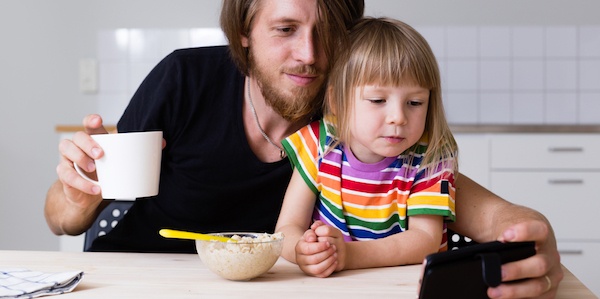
[396, 116]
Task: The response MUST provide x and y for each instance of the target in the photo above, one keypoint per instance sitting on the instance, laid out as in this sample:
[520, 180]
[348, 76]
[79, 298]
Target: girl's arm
[300, 244]
[423, 237]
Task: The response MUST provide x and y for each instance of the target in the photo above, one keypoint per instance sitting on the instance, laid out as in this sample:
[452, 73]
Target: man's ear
[245, 41]
[329, 98]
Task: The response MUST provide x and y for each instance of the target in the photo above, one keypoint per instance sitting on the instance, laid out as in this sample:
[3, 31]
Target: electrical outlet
[88, 75]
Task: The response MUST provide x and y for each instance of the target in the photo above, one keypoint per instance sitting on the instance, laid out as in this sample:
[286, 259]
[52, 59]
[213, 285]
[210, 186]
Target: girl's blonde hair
[388, 52]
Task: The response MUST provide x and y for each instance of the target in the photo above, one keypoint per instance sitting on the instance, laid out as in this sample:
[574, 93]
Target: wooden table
[143, 275]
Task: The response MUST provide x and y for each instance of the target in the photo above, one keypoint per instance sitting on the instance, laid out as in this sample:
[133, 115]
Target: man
[223, 168]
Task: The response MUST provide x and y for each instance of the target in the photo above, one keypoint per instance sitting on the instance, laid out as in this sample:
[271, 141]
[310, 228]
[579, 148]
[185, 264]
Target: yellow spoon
[177, 234]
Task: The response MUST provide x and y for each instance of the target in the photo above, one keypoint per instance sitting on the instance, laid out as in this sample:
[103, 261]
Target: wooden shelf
[77, 128]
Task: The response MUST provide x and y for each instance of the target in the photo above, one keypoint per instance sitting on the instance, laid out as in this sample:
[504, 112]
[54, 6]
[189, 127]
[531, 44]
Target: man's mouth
[302, 75]
[302, 80]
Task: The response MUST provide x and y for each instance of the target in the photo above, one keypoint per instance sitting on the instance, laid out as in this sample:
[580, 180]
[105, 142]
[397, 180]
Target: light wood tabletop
[144, 275]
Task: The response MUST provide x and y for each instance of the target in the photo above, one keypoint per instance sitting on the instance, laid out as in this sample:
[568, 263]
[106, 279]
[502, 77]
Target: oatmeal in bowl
[246, 256]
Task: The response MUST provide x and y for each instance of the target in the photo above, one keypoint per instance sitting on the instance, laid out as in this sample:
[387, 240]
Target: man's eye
[285, 29]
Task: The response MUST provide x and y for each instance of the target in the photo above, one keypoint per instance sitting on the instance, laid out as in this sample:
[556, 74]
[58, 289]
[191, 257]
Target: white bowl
[250, 257]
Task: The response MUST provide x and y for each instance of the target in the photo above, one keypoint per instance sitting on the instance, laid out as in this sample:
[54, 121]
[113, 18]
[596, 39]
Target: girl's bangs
[389, 60]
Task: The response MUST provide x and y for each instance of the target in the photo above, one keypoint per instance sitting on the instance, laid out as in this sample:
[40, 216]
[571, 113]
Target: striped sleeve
[433, 195]
[303, 150]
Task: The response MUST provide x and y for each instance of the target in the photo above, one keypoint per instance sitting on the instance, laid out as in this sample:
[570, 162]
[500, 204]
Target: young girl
[374, 179]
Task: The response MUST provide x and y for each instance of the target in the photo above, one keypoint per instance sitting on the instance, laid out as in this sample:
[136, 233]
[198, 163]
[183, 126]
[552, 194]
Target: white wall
[43, 41]
[491, 12]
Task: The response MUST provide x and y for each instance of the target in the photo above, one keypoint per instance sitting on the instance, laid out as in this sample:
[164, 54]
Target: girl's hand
[315, 258]
[331, 235]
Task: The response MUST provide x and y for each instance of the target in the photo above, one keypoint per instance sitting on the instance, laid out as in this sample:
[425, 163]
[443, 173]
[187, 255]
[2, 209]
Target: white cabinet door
[545, 151]
[569, 200]
[583, 260]
[474, 157]
[556, 174]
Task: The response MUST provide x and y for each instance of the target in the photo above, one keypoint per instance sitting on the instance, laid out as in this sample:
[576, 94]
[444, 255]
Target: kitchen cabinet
[474, 157]
[554, 173]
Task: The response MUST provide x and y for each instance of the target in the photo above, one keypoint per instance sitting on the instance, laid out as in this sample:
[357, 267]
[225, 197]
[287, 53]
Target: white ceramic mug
[130, 167]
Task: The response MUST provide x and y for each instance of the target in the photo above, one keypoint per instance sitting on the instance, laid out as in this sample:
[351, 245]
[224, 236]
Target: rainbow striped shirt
[368, 201]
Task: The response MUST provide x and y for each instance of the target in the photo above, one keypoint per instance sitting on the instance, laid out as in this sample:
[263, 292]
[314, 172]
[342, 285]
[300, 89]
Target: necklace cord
[262, 132]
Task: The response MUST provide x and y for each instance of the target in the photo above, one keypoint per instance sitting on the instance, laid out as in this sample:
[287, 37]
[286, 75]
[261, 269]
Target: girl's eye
[415, 103]
[376, 101]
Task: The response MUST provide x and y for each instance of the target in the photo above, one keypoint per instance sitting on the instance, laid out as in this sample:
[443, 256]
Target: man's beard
[301, 103]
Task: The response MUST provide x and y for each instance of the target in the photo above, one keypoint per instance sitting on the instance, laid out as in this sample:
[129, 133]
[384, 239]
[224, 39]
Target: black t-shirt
[210, 179]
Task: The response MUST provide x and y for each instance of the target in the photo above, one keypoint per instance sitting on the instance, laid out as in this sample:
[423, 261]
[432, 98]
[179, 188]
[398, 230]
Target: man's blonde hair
[335, 17]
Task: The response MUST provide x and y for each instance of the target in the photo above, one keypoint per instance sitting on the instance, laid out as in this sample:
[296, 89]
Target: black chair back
[456, 241]
[106, 221]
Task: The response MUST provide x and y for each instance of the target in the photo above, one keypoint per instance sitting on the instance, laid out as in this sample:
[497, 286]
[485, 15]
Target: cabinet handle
[565, 181]
[571, 251]
[565, 149]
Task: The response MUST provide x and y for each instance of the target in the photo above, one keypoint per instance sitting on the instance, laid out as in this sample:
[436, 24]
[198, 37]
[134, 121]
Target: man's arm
[72, 203]
[484, 216]
[66, 217]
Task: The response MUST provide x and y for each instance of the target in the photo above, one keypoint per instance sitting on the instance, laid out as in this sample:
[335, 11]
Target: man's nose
[306, 48]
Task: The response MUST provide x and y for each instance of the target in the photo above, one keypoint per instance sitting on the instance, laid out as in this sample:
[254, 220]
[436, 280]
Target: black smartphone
[467, 272]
